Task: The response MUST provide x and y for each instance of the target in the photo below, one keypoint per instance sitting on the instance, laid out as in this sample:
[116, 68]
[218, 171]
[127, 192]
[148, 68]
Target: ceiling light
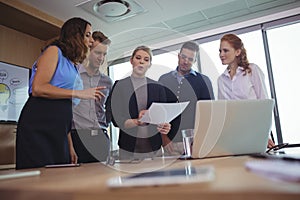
[112, 8]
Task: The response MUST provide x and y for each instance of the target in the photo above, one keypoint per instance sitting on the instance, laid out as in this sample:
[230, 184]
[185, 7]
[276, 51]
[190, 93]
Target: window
[283, 42]
[284, 52]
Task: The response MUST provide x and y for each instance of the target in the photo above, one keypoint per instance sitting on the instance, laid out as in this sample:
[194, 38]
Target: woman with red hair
[241, 79]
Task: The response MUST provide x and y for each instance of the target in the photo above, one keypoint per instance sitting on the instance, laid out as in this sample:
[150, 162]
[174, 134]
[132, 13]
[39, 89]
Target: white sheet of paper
[163, 112]
[276, 169]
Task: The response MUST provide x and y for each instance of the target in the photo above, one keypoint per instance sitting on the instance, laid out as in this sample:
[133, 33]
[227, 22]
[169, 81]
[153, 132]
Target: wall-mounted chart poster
[14, 83]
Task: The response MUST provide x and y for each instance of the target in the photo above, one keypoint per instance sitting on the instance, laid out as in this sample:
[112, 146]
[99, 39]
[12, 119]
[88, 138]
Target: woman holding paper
[129, 100]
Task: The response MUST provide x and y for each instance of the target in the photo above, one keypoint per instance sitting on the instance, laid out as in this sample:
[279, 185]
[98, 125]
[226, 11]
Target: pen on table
[20, 174]
[272, 137]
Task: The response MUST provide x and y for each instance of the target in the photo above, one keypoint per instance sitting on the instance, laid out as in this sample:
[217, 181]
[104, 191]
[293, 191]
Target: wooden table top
[232, 181]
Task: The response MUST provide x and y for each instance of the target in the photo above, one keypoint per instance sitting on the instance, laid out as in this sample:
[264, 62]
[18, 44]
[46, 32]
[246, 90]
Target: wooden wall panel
[19, 48]
[7, 143]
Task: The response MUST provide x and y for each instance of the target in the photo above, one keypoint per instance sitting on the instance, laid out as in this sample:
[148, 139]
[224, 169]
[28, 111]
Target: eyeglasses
[185, 57]
[277, 147]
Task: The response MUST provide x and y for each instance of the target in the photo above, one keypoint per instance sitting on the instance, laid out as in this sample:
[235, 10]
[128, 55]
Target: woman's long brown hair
[71, 39]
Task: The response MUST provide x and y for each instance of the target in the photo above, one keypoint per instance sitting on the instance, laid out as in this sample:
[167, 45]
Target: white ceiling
[165, 20]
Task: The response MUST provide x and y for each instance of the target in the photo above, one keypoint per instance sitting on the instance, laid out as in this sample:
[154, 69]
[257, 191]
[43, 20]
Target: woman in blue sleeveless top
[45, 121]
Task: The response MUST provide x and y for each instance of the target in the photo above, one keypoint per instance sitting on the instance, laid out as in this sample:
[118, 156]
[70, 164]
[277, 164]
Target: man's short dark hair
[193, 46]
[99, 36]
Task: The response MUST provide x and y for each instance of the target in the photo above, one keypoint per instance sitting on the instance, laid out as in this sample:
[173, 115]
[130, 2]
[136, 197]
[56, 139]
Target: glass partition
[284, 52]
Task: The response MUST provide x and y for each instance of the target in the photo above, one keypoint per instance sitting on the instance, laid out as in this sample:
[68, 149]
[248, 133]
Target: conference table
[89, 181]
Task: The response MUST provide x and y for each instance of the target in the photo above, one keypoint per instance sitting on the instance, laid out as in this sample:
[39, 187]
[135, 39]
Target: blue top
[65, 76]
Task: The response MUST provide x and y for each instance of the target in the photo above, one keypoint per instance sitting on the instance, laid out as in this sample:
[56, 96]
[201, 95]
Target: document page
[163, 112]
[187, 175]
[276, 169]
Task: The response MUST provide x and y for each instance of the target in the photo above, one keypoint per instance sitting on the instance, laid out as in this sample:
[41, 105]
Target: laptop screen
[231, 127]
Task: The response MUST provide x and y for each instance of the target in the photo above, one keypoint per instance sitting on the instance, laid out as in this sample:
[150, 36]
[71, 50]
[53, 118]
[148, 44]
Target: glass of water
[188, 137]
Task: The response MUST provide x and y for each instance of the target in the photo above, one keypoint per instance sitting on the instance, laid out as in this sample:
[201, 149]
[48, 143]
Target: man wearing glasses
[185, 84]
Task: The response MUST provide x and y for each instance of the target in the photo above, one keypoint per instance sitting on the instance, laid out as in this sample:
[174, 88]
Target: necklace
[229, 70]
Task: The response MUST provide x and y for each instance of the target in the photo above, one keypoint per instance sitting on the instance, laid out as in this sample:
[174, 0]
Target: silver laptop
[231, 127]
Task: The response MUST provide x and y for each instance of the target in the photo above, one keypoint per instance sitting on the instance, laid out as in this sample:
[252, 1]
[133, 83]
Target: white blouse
[249, 86]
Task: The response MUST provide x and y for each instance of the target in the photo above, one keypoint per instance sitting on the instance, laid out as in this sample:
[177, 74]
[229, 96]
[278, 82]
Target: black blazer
[122, 105]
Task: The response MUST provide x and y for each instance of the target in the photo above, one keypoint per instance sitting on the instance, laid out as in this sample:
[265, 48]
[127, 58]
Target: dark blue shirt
[191, 87]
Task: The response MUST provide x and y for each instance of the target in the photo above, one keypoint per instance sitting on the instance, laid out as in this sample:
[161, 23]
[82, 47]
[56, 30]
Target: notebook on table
[231, 127]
